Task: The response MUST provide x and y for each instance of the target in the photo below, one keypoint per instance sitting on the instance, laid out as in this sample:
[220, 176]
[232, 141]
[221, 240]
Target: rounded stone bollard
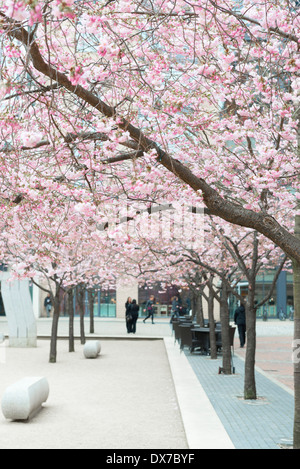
[92, 349]
[24, 399]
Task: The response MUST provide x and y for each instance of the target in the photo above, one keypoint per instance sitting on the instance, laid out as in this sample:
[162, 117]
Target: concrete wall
[125, 289]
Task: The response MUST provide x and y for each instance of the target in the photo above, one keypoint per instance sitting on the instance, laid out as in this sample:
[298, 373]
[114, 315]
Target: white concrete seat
[23, 399]
[92, 349]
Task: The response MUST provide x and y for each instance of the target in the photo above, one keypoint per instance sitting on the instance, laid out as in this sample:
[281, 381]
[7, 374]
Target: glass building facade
[104, 303]
[281, 300]
[163, 298]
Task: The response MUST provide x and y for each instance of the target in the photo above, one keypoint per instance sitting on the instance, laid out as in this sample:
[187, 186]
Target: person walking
[127, 313]
[134, 314]
[175, 308]
[48, 305]
[149, 309]
[240, 321]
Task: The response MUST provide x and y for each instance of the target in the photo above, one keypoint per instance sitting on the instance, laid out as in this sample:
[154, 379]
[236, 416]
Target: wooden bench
[24, 399]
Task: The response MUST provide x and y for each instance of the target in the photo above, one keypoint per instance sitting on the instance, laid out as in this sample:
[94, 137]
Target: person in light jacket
[175, 308]
[149, 309]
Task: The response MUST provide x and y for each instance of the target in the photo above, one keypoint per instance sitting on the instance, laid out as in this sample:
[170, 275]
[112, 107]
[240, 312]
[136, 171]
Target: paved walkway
[125, 399]
[179, 402]
[265, 423]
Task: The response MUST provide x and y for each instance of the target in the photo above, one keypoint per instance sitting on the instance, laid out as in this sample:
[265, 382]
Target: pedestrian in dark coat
[240, 321]
[48, 305]
[133, 311]
[127, 313]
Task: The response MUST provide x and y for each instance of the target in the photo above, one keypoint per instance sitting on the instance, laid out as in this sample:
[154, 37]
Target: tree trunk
[296, 344]
[224, 316]
[80, 301]
[70, 307]
[296, 357]
[249, 383]
[199, 309]
[91, 308]
[194, 305]
[53, 343]
[212, 334]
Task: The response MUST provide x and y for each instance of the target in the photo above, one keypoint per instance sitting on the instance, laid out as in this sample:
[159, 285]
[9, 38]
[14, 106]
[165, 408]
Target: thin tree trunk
[212, 334]
[296, 272]
[199, 309]
[70, 307]
[296, 344]
[224, 316]
[80, 300]
[193, 305]
[54, 331]
[91, 308]
[250, 383]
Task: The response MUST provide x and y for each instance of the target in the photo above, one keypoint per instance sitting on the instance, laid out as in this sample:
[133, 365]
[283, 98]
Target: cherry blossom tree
[227, 254]
[56, 248]
[249, 254]
[159, 101]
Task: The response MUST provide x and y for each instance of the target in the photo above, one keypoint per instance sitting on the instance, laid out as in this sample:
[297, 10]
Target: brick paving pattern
[275, 358]
[266, 423]
[262, 424]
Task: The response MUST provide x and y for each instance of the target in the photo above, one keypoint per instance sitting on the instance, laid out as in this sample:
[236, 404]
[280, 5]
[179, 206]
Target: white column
[36, 301]
[125, 289]
[19, 311]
